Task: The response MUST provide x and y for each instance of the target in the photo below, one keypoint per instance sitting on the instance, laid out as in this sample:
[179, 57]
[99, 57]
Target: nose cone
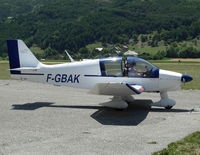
[186, 78]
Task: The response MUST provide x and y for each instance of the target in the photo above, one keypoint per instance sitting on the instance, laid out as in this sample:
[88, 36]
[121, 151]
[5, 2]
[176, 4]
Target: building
[131, 53]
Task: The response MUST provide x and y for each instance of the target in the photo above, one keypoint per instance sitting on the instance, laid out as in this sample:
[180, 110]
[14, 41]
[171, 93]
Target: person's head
[131, 64]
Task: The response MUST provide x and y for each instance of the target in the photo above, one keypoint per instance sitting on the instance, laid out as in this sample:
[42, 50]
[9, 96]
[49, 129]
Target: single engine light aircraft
[113, 76]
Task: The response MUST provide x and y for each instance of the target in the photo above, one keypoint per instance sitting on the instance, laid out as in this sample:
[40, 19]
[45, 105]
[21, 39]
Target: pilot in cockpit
[131, 68]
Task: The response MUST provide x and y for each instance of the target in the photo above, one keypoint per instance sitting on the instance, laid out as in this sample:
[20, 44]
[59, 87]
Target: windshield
[137, 67]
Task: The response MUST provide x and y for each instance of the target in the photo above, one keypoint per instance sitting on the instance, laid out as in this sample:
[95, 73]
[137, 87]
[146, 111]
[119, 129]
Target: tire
[168, 107]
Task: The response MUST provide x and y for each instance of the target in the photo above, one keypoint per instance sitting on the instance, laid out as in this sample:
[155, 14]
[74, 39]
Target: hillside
[73, 24]
[10, 8]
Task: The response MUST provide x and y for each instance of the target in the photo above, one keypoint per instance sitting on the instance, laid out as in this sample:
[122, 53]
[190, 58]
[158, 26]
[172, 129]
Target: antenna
[71, 59]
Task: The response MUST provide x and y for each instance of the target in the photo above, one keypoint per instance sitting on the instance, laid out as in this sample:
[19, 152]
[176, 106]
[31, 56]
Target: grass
[4, 70]
[150, 50]
[144, 48]
[190, 145]
[90, 47]
[153, 142]
[192, 69]
[191, 43]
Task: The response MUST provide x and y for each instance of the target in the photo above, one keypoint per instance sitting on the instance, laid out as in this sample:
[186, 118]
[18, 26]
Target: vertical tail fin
[20, 56]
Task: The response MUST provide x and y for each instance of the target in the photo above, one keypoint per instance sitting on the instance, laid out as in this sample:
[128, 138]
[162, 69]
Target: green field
[147, 49]
[4, 71]
[190, 145]
[192, 69]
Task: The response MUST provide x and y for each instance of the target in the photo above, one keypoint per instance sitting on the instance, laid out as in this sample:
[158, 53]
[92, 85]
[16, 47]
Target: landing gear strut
[165, 101]
[116, 102]
[128, 99]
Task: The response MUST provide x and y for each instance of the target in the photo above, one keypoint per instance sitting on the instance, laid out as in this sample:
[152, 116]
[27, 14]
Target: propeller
[183, 80]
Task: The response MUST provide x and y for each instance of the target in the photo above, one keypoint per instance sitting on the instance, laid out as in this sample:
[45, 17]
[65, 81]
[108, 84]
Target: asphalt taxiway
[44, 119]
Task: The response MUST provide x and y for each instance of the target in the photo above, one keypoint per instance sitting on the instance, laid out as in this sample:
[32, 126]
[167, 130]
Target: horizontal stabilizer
[25, 69]
[116, 89]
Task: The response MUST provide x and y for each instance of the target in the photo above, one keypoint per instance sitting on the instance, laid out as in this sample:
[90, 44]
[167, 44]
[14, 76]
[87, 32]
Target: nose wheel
[164, 101]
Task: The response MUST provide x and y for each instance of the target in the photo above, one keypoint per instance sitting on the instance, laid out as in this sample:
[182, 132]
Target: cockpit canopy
[130, 67]
[111, 66]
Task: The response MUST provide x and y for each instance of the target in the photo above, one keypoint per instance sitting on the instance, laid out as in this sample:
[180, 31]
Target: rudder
[20, 56]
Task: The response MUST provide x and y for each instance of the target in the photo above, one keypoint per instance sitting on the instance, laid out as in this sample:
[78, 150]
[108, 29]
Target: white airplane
[114, 76]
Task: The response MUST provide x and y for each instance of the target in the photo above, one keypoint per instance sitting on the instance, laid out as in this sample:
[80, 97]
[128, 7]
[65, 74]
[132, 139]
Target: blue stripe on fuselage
[30, 74]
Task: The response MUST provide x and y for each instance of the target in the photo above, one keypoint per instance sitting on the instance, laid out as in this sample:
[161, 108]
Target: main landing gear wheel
[168, 107]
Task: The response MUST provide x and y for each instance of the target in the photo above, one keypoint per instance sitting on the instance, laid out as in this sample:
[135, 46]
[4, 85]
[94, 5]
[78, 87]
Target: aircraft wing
[116, 89]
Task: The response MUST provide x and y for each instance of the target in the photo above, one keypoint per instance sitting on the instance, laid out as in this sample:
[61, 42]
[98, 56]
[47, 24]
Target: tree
[189, 52]
[84, 52]
[172, 52]
[50, 53]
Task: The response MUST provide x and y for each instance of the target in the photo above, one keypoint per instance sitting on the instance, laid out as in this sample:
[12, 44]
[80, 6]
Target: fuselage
[85, 74]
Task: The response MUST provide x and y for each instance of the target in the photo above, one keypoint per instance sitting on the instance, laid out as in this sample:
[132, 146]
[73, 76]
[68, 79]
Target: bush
[146, 56]
[159, 55]
[84, 52]
[172, 52]
[189, 52]
[51, 53]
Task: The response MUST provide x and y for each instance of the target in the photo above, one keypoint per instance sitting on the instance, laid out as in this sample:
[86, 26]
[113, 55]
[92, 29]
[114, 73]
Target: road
[44, 119]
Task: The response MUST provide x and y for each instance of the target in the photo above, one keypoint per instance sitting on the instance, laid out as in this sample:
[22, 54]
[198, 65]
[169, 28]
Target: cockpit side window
[111, 68]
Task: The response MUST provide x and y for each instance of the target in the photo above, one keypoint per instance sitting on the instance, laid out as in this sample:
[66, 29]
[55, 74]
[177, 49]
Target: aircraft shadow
[31, 106]
[37, 105]
[132, 116]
